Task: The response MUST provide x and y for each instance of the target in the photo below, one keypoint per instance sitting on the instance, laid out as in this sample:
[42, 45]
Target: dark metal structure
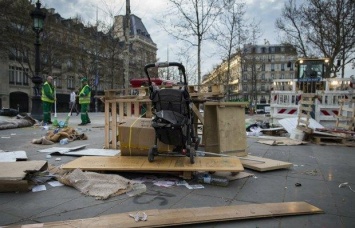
[38, 18]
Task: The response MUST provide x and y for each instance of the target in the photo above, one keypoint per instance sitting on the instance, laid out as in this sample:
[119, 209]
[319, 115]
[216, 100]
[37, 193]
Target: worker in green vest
[47, 100]
[84, 101]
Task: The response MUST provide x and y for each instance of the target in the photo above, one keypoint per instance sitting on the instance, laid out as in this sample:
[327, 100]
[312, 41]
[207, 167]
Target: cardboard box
[137, 136]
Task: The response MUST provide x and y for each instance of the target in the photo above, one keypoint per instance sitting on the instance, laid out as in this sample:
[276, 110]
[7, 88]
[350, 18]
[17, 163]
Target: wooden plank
[307, 109]
[263, 164]
[161, 163]
[224, 104]
[114, 130]
[121, 110]
[107, 124]
[197, 113]
[303, 102]
[185, 216]
[224, 129]
[308, 95]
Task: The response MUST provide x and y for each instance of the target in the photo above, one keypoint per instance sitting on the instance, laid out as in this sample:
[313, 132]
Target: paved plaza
[319, 169]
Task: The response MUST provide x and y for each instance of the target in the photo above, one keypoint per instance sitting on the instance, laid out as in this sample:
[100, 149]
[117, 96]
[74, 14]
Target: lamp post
[38, 17]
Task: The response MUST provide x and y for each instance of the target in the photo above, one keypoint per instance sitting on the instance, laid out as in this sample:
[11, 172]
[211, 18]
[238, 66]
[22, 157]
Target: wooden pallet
[346, 115]
[328, 139]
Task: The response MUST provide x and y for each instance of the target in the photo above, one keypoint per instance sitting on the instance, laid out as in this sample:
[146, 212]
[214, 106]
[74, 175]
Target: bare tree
[231, 33]
[321, 27]
[190, 21]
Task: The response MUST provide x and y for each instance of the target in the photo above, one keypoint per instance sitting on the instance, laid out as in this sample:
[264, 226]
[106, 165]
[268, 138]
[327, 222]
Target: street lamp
[38, 17]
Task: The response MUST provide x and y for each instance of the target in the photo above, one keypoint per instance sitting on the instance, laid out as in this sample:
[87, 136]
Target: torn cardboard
[13, 174]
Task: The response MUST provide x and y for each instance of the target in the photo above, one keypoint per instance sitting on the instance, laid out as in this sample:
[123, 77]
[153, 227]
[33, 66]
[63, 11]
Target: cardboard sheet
[62, 149]
[12, 174]
[291, 123]
[89, 152]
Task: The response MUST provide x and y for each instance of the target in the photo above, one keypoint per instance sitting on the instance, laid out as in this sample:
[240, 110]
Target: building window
[272, 76]
[25, 76]
[272, 67]
[58, 82]
[245, 88]
[12, 75]
[262, 87]
[282, 76]
[263, 67]
[71, 82]
[18, 74]
[263, 76]
[282, 67]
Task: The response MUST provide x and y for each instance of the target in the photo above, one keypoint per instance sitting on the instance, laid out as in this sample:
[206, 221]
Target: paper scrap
[39, 188]
[55, 183]
[195, 186]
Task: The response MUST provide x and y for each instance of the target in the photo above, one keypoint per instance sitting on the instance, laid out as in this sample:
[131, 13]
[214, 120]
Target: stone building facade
[253, 71]
[70, 51]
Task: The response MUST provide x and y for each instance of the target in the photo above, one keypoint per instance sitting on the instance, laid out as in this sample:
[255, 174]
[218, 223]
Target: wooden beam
[185, 216]
[197, 112]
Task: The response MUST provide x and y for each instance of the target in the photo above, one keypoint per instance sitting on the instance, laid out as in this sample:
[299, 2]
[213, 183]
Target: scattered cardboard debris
[62, 149]
[13, 174]
[184, 216]
[291, 123]
[89, 152]
[263, 164]
[13, 156]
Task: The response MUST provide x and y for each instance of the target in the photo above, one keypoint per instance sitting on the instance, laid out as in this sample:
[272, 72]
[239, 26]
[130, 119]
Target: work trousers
[84, 113]
[47, 108]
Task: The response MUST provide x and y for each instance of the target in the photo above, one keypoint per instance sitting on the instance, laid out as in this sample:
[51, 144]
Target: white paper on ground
[39, 188]
[55, 183]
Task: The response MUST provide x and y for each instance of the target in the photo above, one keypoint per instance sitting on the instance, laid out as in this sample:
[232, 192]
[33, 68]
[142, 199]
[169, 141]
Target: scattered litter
[344, 185]
[286, 187]
[58, 159]
[139, 216]
[181, 183]
[13, 134]
[298, 184]
[39, 188]
[195, 186]
[5, 137]
[13, 156]
[166, 184]
[48, 156]
[55, 183]
[311, 173]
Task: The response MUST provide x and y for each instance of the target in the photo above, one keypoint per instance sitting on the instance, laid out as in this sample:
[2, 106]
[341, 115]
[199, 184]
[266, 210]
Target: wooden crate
[115, 112]
[224, 128]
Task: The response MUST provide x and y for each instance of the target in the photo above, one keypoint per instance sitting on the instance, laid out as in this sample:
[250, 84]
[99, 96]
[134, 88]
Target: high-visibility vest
[86, 98]
[44, 97]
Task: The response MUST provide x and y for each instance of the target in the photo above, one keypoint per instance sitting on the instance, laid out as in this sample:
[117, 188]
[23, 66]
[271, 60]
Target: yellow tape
[130, 134]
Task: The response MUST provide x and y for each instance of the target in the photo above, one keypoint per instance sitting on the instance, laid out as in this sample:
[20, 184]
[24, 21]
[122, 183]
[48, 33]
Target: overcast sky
[265, 11]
